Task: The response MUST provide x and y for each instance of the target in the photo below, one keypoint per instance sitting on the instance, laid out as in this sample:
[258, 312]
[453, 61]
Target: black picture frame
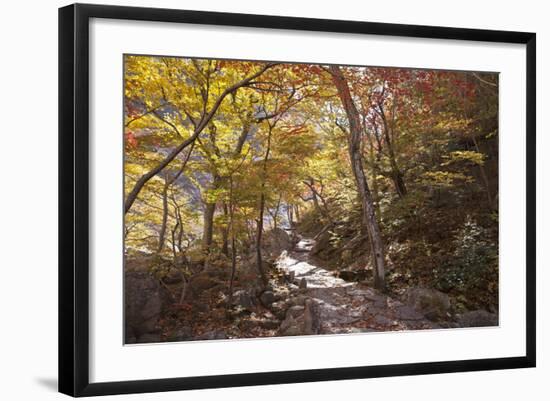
[74, 198]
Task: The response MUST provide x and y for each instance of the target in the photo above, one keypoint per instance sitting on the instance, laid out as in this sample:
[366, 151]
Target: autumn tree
[354, 147]
[152, 90]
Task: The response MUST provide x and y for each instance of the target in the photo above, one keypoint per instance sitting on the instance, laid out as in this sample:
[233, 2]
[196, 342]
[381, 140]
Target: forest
[271, 199]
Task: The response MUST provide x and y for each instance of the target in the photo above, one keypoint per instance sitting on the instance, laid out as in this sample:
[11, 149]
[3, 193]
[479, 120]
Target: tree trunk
[208, 218]
[261, 206]
[485, 178]
[178, 228]
[354, 147]
[297, 213]
[167, 183]
[397, 174]
[225, 231]
[174, 251]
[259, 233]
[233, 243]
[208, 226]
[316, 195]
[316, 203]
[398, 182]
[275, 214]
[373, 160]
[162, 233]
[290, 215]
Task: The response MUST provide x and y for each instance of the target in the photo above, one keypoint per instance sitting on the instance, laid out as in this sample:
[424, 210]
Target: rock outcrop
[431, 303]
[144, 299]
[478, 318]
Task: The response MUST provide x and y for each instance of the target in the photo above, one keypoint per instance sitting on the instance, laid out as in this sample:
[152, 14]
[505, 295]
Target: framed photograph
[250, 199]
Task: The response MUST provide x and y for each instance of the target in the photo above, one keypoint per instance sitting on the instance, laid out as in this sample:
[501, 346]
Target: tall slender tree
[354, 148]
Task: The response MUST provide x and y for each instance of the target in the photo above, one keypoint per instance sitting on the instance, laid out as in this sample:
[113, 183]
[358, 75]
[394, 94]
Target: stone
[261, 288]
[268, 297]
[381, 303]
[347, 275]
[212, 335]
[173, 276]
[298, 300]
[312, 322]
[201, 282]
[276, 241]
[291, 276]
[370, 295]
[279, 309]
[292, 324]
[143, 299]
[181, 334]
[293, 330]
[383, 320]
[295, 311]
[301, 320]
[303, 283]
[270, 324]
[358, 330]
[478, 318]
[322, 246]
[406, 312]
[218, 265]
[243, 299]
[433, 304]
[449, 325]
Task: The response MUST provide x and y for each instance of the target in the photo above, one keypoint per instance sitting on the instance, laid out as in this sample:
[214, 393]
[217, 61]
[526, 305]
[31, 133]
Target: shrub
[473, 269]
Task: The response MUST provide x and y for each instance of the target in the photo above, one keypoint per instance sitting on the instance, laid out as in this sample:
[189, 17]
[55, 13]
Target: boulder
[268, 297]
[431, 303]
[295, 311]
[355, 275]
[406, 312]
[275, 242]
[201, 282]
[181, 334]
[173, 276]
[383, 320]
[243, 299]
[270, 324]
[247, 271]
[478, 318]
[301, 320]
[218, 266]
[291, 325]
[279, 309]
[298, 300]
[143, 302]
[322, 246]
[291, 276]
[312, 322]
[347, 275]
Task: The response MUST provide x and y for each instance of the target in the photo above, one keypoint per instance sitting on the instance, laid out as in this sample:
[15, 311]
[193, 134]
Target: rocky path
[301, 298]
[321, 303]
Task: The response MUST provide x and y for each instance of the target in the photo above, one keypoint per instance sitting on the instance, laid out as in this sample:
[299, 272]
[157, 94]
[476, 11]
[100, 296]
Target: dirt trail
[346, 307]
